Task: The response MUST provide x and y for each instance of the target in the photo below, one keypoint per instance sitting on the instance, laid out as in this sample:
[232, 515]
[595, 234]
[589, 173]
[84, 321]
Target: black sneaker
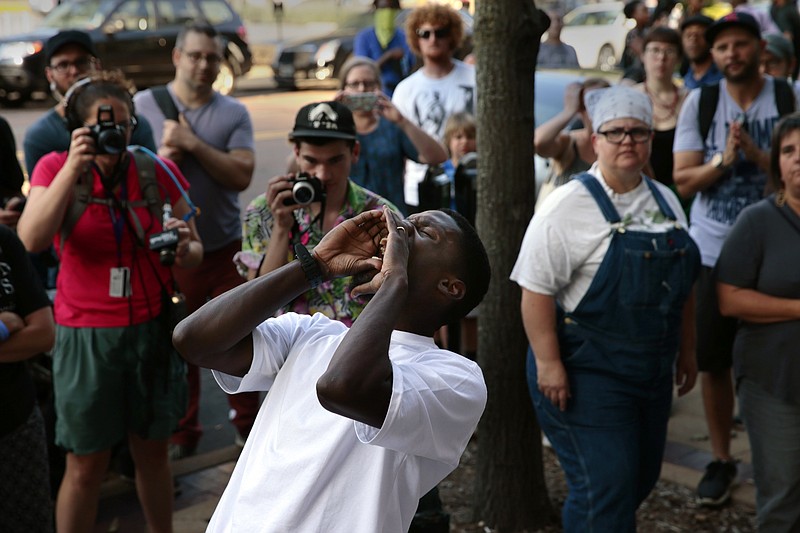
[715, 487]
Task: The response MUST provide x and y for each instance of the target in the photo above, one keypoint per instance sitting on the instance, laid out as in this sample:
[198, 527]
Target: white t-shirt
[305, 469]
[428, 103]
[567, 239]
[715, 209]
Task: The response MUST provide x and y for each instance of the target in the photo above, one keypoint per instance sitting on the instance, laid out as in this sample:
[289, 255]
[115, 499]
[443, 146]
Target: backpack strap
[165, 102]
[709, 98]
[81, 194]
[82, 197]
[784, 97]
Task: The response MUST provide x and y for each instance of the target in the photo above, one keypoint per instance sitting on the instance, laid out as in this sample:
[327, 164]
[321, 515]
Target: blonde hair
[459, 122]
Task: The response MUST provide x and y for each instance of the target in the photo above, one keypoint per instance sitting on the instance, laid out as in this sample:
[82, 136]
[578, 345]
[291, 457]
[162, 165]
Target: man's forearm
[233, 170]
[219, 334]
[358, 381]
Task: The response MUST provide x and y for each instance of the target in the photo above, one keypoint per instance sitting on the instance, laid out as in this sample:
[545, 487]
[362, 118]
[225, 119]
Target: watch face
[716, 160]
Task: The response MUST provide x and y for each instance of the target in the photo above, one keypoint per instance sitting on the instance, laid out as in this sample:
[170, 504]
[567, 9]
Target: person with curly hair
[441, 87]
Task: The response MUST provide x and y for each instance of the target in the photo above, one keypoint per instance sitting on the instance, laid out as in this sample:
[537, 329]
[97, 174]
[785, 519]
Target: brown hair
[435, 15]
[663, 34]
[782, 130]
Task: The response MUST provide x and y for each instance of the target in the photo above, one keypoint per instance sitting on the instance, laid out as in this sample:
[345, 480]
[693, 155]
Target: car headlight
[16, 51]
[327, 52]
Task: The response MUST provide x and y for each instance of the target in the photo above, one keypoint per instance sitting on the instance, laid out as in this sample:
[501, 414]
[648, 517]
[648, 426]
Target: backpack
[709, 98]
[82, 197]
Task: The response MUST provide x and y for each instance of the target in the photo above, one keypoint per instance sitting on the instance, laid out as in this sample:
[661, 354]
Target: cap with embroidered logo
[331, 120]
[736, 19]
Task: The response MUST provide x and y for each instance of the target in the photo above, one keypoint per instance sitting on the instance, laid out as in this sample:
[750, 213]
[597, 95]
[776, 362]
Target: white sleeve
[272, 341]
[687, 131]
[437, 400]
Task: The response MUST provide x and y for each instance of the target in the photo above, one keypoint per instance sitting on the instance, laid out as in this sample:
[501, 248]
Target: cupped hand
[388, 110]
[395, 256]
[352, 246]
[553, 382]
[81, 151]
[279, 190]
[184, 235]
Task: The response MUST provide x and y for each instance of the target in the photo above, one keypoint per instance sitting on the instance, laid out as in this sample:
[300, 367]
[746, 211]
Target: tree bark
[511, 494]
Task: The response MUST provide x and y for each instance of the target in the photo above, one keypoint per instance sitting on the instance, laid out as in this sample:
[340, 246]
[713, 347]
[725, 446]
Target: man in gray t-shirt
[727, 171]
[212, 143]
[553, 52]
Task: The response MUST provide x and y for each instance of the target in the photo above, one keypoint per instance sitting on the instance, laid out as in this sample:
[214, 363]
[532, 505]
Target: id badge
[119, 285]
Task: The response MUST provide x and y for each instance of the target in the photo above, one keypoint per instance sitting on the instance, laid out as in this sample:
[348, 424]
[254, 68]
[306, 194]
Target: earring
[780, 198]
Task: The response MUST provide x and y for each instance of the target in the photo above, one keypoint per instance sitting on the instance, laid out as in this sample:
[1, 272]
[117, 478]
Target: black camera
[109, 137]
[166, 242]
[306, 189]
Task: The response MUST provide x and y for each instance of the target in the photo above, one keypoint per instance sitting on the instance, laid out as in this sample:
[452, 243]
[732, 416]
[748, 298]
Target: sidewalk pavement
[201, 479]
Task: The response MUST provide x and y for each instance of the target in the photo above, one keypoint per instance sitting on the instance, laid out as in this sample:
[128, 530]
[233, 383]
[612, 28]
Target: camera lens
[303, 193]
[110, 142]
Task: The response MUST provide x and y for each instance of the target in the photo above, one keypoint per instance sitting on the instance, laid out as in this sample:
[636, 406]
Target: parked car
[316, 62]
[136, 36]
[597, 32]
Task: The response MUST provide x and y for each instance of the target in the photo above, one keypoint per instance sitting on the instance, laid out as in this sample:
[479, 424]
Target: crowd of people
[656, 257]
[719, 131]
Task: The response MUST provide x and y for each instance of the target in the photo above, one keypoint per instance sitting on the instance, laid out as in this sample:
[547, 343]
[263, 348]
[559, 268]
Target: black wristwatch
[309, 265]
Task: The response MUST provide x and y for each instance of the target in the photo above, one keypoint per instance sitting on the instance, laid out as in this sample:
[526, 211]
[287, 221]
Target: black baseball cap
[700, 20]
[324, 120]
[65, 37]
[734, 19]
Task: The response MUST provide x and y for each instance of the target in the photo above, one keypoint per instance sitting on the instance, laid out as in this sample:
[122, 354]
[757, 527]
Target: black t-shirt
[20, 292]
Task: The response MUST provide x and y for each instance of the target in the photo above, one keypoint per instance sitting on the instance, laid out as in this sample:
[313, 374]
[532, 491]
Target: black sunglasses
[440, 33]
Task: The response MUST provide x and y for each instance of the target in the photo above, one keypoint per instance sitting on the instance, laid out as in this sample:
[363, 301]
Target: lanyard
[118, 222]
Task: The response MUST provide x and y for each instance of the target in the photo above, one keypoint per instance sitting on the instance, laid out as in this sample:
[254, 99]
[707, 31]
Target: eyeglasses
[196, 57]
[82, 64]
[366, 85]
[637, 135]
[439, 33]
[658, 52]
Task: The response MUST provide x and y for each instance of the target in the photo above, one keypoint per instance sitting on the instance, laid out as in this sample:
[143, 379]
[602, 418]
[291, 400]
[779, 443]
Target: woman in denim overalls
[607, 270]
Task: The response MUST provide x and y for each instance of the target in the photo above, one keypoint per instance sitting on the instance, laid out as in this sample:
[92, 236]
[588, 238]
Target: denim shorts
[113, 381]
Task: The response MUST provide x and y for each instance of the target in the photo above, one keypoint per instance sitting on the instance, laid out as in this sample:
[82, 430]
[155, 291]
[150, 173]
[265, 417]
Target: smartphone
[360, 101]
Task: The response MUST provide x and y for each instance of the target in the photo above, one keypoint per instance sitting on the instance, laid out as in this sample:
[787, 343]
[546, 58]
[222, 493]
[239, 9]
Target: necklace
[669, 108]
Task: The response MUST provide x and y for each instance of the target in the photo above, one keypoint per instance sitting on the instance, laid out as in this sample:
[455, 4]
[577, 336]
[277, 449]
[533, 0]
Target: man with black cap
[325, 148]
[727, 168]
[70, 56]
[702, 69]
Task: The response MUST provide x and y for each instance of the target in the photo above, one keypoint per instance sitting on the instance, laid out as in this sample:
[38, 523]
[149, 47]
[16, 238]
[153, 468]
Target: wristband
[309, 265]
[4, 333]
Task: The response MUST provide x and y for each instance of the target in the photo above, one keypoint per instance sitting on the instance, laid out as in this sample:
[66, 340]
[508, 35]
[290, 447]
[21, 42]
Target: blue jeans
[774, 430]
[610, 443]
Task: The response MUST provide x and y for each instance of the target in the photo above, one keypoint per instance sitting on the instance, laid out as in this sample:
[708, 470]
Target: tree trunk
[511, 494]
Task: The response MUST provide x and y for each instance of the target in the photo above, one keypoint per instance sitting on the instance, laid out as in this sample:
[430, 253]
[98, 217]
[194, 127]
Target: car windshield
[81, 14]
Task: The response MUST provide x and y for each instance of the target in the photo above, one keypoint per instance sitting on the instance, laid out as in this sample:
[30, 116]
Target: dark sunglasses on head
[440, 33]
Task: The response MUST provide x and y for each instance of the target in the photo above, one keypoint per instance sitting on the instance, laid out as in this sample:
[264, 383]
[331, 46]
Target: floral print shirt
[331, 298]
